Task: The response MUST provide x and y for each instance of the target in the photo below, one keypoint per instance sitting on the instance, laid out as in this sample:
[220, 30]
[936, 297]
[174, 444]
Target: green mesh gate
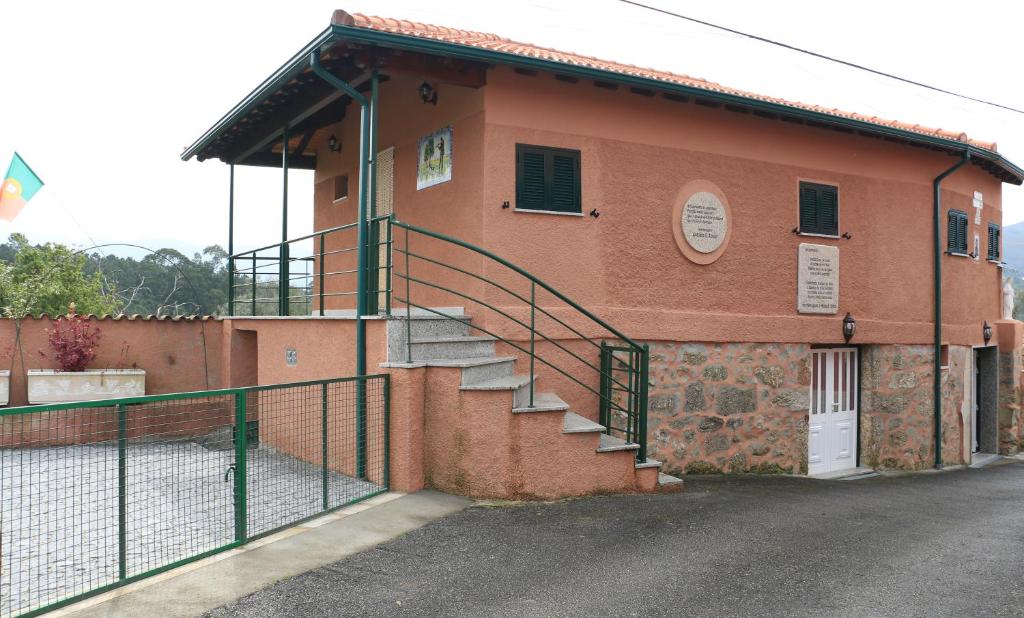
[95, 495]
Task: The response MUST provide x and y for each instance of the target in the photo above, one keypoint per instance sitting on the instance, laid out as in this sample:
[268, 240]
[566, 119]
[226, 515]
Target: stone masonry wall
[1011, 423]
[742, 407]
[730, 407]
[896, 414]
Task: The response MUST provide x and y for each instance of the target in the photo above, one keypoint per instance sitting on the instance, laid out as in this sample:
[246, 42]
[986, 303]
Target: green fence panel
[98, 494]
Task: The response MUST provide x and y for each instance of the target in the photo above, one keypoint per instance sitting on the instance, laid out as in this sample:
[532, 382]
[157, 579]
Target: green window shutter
[530, 186]
[808, 208]
[828, 209]
[956, 232]
[565, 183]
[993, 241]
[819, 209]
[547, 179]
[962, 231]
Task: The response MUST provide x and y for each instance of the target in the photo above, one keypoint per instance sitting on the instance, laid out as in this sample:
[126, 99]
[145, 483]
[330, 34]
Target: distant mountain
[1013, 251]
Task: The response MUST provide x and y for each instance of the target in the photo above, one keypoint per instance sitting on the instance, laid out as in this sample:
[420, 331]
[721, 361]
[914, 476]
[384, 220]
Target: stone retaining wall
[742, 407]
[897, 428]
[729, 407]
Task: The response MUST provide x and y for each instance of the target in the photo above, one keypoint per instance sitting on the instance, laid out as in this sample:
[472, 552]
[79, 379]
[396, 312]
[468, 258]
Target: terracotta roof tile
[493, 42]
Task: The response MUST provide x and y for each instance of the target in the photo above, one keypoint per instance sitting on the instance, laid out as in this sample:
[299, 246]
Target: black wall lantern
[428, 94]
[986, 331]
[849, 327]
[333, 144]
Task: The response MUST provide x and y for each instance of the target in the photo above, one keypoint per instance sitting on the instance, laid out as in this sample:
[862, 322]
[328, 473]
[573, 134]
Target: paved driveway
[916, 545]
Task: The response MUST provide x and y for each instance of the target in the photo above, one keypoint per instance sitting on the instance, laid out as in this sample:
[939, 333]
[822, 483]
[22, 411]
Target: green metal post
[122, 491]
[533, 333]
[254, 283]
[387, 430]
[323, 442]
[361, 241]
[645, 361]
[231, 240]
[283, 266]
[937, 240]
[390, 253]
[241, 444]
[373, 264]
[323, 310]
[603, 414]
[408, 303]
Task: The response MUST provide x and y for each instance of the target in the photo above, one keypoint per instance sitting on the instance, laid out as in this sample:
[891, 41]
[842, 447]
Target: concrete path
[930, 544]
[205, 585]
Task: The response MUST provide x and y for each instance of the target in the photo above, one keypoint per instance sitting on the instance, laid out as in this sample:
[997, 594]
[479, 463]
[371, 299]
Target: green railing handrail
[521, 271]
[506, 340]
[276, 245]
[243, 278]
[330, 230]
[634, 384]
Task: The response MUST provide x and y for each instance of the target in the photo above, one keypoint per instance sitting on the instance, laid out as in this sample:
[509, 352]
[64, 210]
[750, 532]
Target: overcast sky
[102, 97]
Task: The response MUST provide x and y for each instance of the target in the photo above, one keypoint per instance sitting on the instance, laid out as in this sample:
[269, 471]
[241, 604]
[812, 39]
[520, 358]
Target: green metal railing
[99, 494]
[615, 373]
[266, 282]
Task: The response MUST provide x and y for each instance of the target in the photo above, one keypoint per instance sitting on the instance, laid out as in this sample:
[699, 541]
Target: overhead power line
[822, 56]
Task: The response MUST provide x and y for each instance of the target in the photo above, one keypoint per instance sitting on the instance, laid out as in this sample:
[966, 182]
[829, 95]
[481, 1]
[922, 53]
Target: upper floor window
[956, 232]
[819, 209]
[547, 179]
[993, 242]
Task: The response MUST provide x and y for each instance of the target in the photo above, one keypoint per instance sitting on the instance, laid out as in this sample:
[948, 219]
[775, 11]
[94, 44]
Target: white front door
[832, 430]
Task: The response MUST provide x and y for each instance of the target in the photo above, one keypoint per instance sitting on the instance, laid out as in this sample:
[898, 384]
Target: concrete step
[518, 384]
[417, 312]
[611, 443]
[426, 326]
[667, 480]
[435, 348]
[484, 369]
[648, 463]
[542, 402]
[574, 423]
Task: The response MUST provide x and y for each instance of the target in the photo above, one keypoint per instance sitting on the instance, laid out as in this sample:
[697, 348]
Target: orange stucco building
[550, 205]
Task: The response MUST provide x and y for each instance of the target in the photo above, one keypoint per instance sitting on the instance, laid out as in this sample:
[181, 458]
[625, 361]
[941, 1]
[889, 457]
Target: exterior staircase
[483, 437]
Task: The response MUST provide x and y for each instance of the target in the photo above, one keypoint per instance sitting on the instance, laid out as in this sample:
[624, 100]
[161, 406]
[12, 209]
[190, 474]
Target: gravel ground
[926, 544]
[59, 510]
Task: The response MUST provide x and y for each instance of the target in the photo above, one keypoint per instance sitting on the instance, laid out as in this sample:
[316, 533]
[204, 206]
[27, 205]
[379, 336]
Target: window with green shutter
[547, 179]
[993, 242]
[819, 209]
[956, 232]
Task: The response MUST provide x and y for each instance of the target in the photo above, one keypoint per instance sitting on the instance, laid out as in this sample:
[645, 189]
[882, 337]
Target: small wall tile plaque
[818, 279]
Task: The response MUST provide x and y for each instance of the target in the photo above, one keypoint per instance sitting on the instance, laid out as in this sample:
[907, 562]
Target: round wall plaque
[704, 222]
[701, 221]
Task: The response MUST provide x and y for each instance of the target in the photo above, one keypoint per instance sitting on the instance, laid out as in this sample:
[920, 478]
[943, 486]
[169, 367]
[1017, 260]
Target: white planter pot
[50, 386]
[5, 387]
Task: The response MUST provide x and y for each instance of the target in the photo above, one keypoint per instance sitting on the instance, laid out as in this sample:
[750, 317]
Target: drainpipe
[937, 238]
[364, 177]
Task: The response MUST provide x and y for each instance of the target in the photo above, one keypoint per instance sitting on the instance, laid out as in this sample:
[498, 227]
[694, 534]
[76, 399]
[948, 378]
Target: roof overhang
[342, 30]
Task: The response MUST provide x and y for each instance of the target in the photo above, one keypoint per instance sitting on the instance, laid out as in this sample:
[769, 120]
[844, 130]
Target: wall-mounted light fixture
[849, 327]
[428, 94]
[333, 144]
[986, 331]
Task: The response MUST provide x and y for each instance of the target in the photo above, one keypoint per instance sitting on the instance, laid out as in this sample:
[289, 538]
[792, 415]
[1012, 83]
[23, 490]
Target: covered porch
[345, 108]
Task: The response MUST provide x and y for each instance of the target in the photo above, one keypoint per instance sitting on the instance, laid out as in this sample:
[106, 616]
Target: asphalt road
[946, 544]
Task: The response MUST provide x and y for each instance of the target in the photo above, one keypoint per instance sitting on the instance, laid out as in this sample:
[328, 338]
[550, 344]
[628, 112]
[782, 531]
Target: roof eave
[419, 44]
[295, 65]
[411, 43]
